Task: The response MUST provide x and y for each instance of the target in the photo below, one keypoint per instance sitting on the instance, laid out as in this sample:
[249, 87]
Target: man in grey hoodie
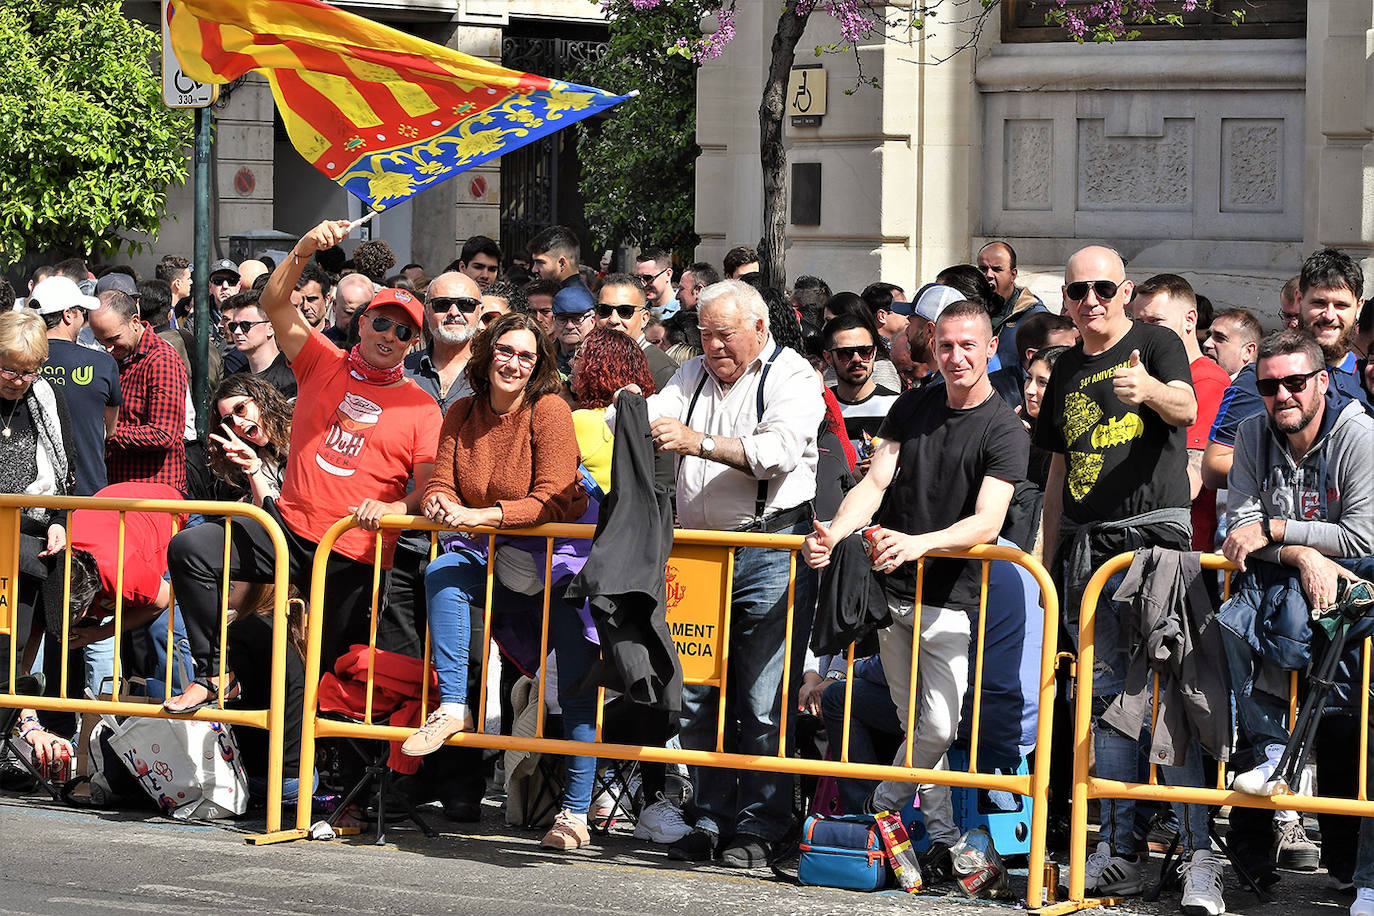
[1302, 506]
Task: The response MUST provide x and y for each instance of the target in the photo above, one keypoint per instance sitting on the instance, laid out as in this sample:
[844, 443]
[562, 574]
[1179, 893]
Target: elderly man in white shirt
[743, 419]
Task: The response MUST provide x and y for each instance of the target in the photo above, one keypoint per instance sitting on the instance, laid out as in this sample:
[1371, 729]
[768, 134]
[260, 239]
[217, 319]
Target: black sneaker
[937, 866]
[697, 846]
[747, 851]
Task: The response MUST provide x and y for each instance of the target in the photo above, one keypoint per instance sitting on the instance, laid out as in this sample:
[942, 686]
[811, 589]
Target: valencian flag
[382, 113]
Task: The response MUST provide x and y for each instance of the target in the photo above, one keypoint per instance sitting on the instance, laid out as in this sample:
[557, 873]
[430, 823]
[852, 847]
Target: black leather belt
[782, 520]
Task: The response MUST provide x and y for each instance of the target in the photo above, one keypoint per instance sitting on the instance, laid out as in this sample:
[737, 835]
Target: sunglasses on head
[1294, 384]
[244, 326]
[404, 332]
[441, 304]
[1078, 290]
[624, 310]
[847, 353]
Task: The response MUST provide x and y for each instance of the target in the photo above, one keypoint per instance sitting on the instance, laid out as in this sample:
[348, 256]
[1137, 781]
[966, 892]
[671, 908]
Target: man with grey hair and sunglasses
[743, 420]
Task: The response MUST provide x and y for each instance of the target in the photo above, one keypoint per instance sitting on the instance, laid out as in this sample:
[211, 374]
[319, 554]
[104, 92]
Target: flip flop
[210, 700]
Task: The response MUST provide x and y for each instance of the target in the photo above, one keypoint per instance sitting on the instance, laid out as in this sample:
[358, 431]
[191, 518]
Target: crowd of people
[882, 425]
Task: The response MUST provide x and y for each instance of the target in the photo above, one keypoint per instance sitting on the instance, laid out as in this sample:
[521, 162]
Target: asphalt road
[55, 859]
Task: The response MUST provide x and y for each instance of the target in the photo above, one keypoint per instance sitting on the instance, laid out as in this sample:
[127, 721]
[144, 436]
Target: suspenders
[762, 499]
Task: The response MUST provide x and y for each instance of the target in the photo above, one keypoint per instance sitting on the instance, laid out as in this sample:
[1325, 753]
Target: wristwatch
[708, 447]
[838, 674]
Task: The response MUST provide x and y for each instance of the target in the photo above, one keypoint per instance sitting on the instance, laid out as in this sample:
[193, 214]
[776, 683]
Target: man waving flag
[382, 113]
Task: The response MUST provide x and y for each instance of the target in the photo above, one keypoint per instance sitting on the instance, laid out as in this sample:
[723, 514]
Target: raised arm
[287, 321]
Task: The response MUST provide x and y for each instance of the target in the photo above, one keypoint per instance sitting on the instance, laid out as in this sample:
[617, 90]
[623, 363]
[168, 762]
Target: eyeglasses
[845, 354]
[239, 410]
[1294, 384]
[381, 324]
[441, 304]
[646, 279]
[504, 354]
[624, 310]
[1078, 290]
[575, 319]
[223, 281]
[488, 317]
[13, 376]
[244, 326]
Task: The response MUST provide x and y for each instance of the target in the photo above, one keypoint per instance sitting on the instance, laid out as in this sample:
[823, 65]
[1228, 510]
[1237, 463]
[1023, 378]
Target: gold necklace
[7, 432]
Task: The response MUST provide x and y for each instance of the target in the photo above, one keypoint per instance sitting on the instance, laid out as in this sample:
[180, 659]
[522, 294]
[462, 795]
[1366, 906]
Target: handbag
[845, 852]
[191, 769]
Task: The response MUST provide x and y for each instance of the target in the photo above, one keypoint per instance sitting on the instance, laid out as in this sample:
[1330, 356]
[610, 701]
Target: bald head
[250, 270]
[1095, 295]
[451, 284]
[353, 292]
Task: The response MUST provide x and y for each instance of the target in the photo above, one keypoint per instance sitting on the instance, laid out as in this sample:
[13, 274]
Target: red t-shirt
[1210, 382]
[146, 535]
[350, 441]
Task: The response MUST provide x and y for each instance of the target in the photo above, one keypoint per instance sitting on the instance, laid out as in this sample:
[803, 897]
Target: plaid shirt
[147, 446]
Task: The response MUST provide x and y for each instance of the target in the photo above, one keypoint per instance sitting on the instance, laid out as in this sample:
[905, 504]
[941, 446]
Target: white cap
[935, 299]
[57, 294]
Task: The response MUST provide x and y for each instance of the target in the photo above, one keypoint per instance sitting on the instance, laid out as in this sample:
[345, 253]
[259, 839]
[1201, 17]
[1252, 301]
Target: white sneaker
[1107, 875]
[1364, 902]
[1202, 884]
[662, 823]
[1260, 780]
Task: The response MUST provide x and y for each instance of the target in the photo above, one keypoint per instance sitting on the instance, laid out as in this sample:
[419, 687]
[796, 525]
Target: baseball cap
[934, 299]
[120, 281]
[573, 300]
[57, 294]
[402, 299]
[224, 266]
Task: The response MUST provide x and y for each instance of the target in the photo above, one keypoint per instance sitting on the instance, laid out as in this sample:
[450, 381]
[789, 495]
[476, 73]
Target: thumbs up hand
[817, 546]
[1132, 383]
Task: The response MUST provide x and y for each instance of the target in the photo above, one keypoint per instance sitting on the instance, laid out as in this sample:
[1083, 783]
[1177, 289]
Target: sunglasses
[1294, 384]
[441, 304]
[646, 279]
[13, 376]
[845, 354]
[404, 332]
[239, 410]
[626, 312]
[488, 317]
[504, 354]
[244, 326]
[223, 281]
[1078, 290]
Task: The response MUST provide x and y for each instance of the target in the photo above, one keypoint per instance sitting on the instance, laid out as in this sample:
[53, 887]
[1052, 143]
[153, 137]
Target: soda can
[978, 867]
[870, 537]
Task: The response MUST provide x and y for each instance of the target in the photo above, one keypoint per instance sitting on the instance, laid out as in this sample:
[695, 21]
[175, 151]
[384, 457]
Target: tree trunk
[772, 155]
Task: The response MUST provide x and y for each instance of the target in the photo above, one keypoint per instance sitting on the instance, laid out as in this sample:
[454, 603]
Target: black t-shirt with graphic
[1120, 461]
[945, 454]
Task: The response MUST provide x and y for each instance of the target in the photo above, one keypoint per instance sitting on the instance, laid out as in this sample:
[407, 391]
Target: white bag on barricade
[192, 769]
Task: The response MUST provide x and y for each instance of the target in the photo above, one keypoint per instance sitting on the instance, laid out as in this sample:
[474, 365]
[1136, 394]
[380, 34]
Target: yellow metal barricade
[1086, 786]
[699, 579]
[272, 719]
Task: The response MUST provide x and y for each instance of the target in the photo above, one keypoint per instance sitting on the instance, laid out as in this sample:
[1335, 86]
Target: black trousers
[195, 558]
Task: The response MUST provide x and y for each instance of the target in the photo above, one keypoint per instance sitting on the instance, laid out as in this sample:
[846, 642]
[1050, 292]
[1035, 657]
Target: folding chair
[375, 768]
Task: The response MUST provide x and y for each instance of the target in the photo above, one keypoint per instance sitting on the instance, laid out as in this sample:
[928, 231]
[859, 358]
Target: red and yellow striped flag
[381, 112]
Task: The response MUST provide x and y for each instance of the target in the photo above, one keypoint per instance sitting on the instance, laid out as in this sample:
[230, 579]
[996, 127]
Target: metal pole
[200, 280]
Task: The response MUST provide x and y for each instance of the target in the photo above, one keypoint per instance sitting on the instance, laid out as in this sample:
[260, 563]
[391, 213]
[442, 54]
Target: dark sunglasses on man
[845, 354]
[404, 332]
[245, 326]
[1293, 384]
[624, 310]
[441, 304]
[1078, 290]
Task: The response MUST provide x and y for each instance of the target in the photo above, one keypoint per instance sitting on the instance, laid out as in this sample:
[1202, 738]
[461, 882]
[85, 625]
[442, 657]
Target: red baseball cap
[402, 299]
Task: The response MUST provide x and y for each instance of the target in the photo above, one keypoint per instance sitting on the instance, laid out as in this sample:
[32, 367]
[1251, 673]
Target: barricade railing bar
[271, 719]
[1086, 786]
[707, 549]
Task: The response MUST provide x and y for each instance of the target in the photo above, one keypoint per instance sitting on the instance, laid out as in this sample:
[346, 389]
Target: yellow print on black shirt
[1082, 415]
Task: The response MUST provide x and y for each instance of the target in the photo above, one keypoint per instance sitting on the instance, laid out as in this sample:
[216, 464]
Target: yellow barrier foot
[276, 836]
[1074, 906]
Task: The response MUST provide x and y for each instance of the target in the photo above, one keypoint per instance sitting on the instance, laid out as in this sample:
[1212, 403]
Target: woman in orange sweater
[507, 458]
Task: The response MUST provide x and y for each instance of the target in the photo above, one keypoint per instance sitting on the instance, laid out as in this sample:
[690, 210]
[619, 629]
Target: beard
[1289, 427]
[1336, 351]
[453, 334]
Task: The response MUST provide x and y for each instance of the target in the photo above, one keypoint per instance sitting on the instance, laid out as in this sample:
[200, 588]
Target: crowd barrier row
[700, 581]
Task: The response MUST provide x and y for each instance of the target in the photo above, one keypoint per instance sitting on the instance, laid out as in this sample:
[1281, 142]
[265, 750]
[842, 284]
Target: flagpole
[362, 220]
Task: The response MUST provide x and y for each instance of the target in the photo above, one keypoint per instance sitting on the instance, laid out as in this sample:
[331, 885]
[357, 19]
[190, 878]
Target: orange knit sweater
[525, 461]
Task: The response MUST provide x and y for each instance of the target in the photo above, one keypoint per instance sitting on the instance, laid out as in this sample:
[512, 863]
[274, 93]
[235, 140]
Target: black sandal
[211, 700]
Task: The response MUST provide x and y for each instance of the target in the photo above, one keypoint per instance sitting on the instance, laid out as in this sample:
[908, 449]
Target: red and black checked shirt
[147, 446]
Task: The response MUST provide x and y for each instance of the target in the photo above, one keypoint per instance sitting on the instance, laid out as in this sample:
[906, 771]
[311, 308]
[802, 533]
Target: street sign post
[178, 89]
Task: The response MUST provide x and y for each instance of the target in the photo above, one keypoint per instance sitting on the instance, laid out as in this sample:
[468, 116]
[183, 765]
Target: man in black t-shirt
[1115, 416]
[942, 478]
[850, 349]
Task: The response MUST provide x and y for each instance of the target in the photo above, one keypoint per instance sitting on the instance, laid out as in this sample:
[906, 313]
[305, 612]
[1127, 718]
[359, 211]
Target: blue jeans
[453, 583]
[872, 716]
[1259, 714]
[1119, 757]
[575, 658]
[747, 801]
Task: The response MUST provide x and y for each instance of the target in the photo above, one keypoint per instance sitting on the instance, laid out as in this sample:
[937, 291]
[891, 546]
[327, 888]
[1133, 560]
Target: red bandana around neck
[362, 369]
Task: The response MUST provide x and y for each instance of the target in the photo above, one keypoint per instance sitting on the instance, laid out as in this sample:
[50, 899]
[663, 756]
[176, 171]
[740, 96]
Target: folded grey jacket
[1171, 630]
